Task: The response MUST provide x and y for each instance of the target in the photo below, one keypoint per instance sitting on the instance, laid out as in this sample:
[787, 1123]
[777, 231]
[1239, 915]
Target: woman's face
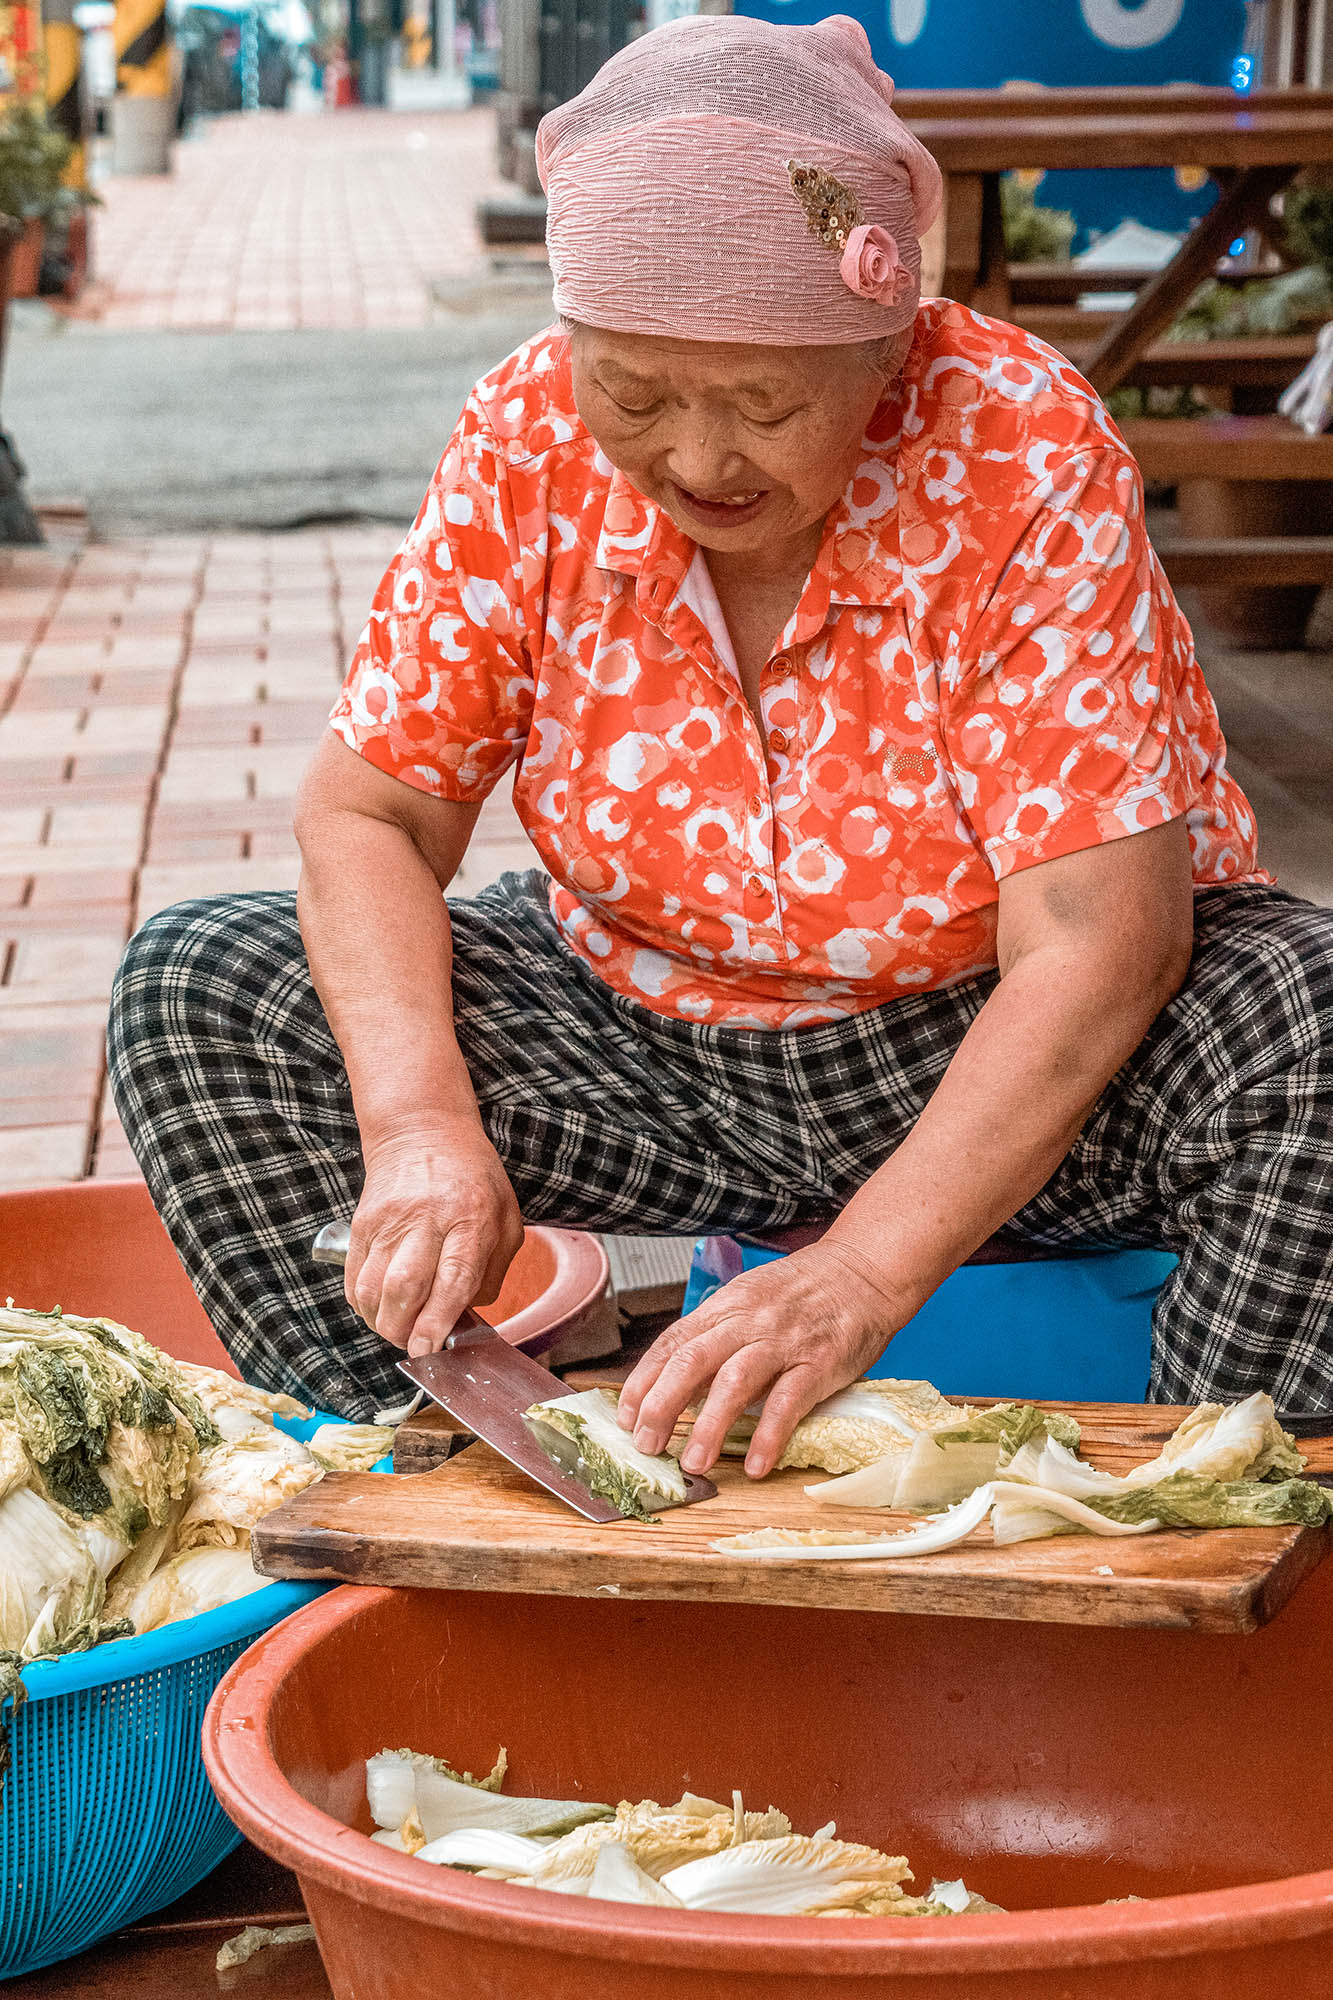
[747, 448]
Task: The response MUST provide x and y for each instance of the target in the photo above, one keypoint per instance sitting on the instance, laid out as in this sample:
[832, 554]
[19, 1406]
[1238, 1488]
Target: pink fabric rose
[871, 266]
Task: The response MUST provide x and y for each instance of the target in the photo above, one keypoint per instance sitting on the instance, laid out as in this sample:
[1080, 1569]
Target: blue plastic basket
[106, 1813]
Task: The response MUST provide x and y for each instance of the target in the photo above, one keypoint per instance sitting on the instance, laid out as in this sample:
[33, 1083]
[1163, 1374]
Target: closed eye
[631, 409]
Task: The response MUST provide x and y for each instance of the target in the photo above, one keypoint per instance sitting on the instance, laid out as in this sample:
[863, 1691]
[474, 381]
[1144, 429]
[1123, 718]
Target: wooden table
[1254, 146]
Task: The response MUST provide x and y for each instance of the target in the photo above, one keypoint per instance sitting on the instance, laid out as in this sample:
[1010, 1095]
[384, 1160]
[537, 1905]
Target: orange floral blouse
[986, 669]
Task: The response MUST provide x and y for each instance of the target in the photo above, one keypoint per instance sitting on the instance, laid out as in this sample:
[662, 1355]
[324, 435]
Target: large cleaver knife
[486, 1385]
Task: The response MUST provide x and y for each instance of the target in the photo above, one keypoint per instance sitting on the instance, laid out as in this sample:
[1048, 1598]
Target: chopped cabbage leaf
[942, 1466]
[1010, 1425]
[887, 1902]
[937, 1474]
[862, 1423]
[618, 1878]
[238, 1483]
[1023, 1513]
[350, 1447]
[657, 1836]
[938, 1531]
[1227, 1442]
[391, 1781]
[401, 1781]
[107, 1422]
[1187, 1501]
[240, 1949]
[696, 1854]
[957, 1898]
[794, 1876]
[50, 1584]
[581, 1433]
[195, 1580]
[238, 1407]
[487, 1848]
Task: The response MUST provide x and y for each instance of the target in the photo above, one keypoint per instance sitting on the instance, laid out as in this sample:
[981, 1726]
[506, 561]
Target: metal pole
[448, 33]
[250, 60]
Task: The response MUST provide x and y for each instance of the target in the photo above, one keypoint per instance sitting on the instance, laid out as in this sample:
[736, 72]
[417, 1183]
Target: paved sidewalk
[158, 701]
[277, 220]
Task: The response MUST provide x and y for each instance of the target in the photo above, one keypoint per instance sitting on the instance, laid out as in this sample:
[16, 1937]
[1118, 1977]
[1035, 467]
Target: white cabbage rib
[940, 1531]
[619, 1878]
[1019, 1509]
[1017, 1516]
[786, 1877]
[399, 1782]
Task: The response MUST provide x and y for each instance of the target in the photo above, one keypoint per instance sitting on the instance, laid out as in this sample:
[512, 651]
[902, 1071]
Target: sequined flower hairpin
[871, 266]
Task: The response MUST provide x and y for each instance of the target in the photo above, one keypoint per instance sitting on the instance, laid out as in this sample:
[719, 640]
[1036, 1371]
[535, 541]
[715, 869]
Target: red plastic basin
[1054, 1766]
[97, 1247]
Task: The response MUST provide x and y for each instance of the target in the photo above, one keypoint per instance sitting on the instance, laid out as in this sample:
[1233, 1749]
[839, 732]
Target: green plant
[1283, 304]
[1033, 234]
[1127, 404]
[1307, 224]
[34, 157]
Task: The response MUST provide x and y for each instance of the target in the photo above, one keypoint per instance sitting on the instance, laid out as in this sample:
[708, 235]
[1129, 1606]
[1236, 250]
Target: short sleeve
[439, 692]
[1061, 710]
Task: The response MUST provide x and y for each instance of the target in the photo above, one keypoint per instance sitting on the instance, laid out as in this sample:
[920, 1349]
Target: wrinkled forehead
[719, 368]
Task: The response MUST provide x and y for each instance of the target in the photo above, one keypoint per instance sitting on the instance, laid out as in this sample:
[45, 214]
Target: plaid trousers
[1215, 1140]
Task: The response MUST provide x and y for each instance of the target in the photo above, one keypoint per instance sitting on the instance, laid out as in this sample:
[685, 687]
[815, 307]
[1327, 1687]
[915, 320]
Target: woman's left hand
[791, 1332]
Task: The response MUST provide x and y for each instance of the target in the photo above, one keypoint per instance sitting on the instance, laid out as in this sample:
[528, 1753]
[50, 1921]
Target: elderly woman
[896, 877]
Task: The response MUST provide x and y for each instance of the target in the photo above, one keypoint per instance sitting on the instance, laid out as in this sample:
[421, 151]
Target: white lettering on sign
[1131, 24]
[906, 19]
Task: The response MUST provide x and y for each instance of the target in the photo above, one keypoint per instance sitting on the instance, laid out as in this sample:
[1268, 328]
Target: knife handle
[331, 1247]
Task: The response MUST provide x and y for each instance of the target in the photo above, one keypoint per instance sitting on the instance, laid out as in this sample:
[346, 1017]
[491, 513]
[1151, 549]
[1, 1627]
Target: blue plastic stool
[1071, 1329]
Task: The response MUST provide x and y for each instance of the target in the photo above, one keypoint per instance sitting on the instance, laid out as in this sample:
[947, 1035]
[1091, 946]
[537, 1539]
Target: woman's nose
[704, 461]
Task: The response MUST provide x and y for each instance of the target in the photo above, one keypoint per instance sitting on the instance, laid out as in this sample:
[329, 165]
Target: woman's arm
[1091, 946]
[437, 1223]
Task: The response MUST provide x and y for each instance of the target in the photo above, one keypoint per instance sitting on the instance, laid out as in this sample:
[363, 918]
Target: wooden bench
[1268, 361]
[1036, 283]
[1173, 450]
[1254, 500]
[1254, 562]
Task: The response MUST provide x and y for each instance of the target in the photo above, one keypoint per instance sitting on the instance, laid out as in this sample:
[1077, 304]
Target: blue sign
[981, 44]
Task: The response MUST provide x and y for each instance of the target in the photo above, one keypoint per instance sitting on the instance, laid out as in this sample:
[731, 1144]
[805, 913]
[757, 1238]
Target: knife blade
[486, 1384]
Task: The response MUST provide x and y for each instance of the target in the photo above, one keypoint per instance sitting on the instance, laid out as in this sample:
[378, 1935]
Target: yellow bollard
[143, 52]
[62, 46]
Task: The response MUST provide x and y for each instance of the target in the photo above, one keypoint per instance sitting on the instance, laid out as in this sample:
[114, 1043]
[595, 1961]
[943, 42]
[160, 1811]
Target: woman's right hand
[435, 1230]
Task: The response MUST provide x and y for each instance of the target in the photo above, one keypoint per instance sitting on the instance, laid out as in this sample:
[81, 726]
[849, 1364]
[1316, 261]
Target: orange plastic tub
[1054, 1766]
[98, 1247]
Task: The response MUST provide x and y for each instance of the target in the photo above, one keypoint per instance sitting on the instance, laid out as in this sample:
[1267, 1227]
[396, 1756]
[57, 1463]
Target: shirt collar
[858, 562]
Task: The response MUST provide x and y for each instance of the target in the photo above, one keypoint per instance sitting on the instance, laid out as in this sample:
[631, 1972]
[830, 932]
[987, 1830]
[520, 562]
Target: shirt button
[782, 661]
[779, 740]
[757, 886]
[756, 805]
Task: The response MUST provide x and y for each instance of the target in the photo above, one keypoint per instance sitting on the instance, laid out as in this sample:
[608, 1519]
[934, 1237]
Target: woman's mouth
[723, 507]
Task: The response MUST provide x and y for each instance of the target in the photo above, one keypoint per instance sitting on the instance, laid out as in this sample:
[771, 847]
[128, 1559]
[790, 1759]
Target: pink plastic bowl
[1055, 1765]
[98, 1247]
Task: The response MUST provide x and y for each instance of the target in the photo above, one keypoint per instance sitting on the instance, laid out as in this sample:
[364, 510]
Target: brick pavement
[157, 703]
[276, 220]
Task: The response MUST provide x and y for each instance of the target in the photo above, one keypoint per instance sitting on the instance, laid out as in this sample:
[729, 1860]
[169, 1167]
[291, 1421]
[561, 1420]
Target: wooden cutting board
[474, 1523]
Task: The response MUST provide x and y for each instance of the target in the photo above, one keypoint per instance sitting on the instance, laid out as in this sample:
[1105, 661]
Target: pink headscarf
[728, 179]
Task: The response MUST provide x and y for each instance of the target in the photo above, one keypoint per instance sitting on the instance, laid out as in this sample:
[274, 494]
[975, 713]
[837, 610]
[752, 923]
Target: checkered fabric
[1215, 1140]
